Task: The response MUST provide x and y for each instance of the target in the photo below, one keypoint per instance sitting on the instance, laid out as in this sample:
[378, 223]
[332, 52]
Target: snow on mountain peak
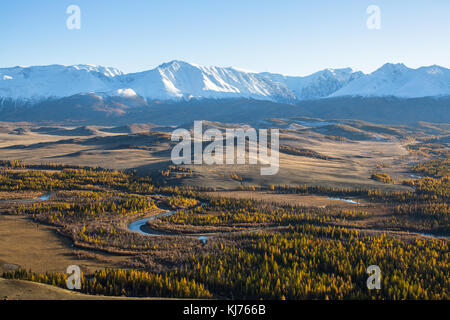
[106, 71]
[177, 79]
[434, 69]
[317, 85]
[400, 81]
[41, 82]
[391, 69]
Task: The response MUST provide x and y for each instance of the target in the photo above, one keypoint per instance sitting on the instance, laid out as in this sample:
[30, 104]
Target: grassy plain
[235, 206]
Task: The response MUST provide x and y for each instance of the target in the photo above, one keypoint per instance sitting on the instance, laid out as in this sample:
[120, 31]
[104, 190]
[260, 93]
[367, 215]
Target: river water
[138, 226]
[346, 200]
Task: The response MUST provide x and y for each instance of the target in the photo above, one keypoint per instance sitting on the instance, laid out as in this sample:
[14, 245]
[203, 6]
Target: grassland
[323, 209]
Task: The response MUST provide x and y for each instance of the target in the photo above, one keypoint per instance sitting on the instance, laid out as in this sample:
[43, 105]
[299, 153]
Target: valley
[349, 193]
[225, 156]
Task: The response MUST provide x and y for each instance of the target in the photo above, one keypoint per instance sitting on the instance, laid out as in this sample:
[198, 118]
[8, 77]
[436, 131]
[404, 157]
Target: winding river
[140, 226]
[44, 197]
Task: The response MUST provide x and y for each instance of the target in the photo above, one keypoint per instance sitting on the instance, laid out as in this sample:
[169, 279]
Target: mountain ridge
[179, 80]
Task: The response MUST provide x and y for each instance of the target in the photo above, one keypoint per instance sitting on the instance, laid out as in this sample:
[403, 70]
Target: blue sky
[293, 37]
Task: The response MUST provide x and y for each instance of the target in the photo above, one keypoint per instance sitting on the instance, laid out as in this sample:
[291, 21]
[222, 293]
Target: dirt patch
[291, 199]
[37, 247]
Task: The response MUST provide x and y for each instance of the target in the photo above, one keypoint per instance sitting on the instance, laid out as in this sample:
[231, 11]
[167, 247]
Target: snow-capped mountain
[178, 80]
[400, 81]
[318, 85]
[55, 81]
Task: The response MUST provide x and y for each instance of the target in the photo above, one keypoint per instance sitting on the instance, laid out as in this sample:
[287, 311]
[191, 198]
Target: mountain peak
[176, 64]
[106, 71]
[339, 70]
[178, 79]
[400, 81]
[393, 67]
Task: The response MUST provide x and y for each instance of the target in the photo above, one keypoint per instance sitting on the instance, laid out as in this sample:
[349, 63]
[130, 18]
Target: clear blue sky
[295, 37]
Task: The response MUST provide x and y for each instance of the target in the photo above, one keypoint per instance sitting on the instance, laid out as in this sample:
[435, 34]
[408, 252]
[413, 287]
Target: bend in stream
[138, 226]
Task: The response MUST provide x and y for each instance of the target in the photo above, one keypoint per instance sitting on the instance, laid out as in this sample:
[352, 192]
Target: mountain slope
[178, 80]
[41, 82]
[318, 85]
[400, 81]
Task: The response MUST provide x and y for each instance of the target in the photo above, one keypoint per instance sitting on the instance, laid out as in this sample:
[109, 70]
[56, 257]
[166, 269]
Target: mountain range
[178, 80]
